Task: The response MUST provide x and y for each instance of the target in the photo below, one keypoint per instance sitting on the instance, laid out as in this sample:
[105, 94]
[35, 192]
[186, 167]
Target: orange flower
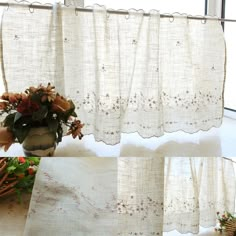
[60, 104]
[5, 96]
[3, 104]
[24, 97]
[12, 97]
[32, 89]
[48, 92]
[6, 138]
[75, 129]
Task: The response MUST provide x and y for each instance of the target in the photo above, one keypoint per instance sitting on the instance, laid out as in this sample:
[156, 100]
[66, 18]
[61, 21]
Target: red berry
[21, 159]
[30, 171]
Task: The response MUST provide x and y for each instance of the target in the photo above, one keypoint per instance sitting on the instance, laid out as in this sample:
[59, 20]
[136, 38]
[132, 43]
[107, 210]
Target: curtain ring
[7, 7]
[108, 15]
[127, 16]
[171, 19]
[204, 20]
[76, 12]
[31, 9]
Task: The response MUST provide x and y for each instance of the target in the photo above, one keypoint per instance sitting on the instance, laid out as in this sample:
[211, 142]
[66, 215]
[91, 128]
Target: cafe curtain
[125, 72]
[129, 195]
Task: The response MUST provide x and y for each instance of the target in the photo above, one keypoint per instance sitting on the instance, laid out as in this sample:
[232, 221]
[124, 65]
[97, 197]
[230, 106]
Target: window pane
[230, 37]
[165, 6]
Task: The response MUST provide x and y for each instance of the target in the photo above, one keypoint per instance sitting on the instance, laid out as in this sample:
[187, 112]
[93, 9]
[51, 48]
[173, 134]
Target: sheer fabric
[85, 197]
[13, 215]
[195, 189]
[129, 195]
[125, 72]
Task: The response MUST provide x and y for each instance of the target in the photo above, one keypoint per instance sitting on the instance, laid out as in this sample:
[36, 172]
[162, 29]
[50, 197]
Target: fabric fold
[126, 73]
[129, 195]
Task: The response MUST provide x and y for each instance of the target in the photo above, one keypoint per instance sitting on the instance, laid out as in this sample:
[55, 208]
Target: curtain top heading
[49, 6]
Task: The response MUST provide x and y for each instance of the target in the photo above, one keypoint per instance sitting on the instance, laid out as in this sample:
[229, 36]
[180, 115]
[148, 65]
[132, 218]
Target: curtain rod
[229, 159]
[49, 6]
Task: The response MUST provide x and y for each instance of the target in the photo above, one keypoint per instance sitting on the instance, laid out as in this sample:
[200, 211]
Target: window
[230, 37]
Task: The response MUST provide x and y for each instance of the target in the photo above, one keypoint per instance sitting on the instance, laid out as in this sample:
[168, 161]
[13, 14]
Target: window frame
[223, 7]
[217, 8]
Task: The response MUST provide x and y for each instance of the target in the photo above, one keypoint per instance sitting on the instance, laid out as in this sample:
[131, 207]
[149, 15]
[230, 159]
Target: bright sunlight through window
[230, 38]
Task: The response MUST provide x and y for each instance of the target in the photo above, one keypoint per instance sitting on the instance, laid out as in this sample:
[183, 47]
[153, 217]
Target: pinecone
[6, 183]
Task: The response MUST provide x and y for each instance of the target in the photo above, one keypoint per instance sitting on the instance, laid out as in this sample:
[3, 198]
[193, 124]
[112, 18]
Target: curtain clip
[76, 12]
[204, 20]
[127, 16]
[7, 6]
[31, 9]
[171, 19]
[107, 15]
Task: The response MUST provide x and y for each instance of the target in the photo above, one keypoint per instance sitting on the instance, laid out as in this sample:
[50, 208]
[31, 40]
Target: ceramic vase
[39, 142]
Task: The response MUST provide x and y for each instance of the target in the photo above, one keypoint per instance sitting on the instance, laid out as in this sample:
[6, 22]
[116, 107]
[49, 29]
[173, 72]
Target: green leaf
[10, 169]
[74, 114]
[21, 121]
[36, 97]
[52, 124]
[18, 116]
[21, 132]
[21, 168]
[40, 114]
[59, 134]
[36, 160]
[22, 125]
[9, 120]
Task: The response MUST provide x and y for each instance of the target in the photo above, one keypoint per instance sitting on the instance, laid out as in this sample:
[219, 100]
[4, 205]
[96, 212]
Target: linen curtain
[125, 72]
[195, 189]
[129, 196]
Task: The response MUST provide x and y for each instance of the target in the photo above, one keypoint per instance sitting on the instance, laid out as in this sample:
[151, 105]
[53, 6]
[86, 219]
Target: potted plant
[17, 175]
[226, 224]
[35, 118]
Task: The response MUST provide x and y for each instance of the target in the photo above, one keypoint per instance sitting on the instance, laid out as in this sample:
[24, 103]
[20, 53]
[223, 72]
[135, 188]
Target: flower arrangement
[223, 220]
[17, 175]
[37, 106]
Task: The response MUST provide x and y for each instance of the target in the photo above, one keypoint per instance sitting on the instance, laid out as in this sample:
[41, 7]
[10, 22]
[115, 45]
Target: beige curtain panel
[126, 73]
[129, 196]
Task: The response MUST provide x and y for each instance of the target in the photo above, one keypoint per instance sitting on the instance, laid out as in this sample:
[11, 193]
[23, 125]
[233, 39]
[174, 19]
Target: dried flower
[37, 106]
[6, 138]
[60, 104]
[75, 129]
[222, 220]
[3, 104]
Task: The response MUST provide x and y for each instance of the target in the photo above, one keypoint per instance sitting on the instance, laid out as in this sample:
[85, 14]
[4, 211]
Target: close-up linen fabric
[125, 72]
[120, 196]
